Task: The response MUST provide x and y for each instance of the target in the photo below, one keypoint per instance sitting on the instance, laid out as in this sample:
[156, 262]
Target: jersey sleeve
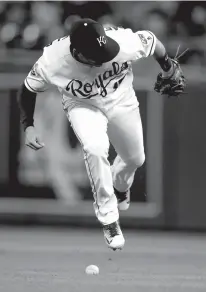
[133, 45]
[146, 42]
[36, 81]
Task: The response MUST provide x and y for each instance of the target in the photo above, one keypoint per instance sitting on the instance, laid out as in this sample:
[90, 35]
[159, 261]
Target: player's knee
[138, 160]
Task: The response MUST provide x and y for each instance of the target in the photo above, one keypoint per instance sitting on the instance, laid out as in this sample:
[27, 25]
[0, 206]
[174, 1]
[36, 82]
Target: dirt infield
[54, 260]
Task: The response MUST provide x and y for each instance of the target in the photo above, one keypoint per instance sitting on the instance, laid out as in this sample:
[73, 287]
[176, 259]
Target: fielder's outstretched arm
[161, 56]
[171, 81]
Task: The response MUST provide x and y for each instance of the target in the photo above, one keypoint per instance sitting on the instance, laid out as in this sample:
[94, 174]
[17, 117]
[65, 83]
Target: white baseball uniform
[101, 106]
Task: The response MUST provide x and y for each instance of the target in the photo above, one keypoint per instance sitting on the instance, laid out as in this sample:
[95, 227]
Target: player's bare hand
[32, 139]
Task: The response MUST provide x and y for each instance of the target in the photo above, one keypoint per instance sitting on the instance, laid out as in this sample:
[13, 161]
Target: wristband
[165, 63]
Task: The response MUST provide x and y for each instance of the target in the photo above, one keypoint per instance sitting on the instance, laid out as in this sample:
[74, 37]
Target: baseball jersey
[78, 82]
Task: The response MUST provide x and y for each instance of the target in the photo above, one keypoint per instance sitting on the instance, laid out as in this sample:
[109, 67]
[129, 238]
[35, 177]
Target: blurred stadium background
[51, 186]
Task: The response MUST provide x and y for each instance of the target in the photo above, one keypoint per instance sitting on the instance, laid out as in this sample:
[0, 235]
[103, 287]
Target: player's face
[88, 62]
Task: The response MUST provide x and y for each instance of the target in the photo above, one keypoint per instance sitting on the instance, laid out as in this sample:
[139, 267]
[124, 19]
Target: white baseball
[92, 270]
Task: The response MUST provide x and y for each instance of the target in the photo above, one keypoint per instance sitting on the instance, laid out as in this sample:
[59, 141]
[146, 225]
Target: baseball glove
[173, 85]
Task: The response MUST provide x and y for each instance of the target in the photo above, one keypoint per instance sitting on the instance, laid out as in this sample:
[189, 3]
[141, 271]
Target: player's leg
[126, 135]
[90, 127]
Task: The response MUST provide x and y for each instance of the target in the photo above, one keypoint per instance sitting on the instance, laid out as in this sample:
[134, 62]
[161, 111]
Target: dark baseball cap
[89, 38]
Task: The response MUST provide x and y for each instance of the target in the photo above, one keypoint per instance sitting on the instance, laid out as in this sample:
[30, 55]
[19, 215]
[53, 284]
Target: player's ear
[74, 51]
[77, 54]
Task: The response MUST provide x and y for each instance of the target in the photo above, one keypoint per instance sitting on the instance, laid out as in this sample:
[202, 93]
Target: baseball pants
[95, 129]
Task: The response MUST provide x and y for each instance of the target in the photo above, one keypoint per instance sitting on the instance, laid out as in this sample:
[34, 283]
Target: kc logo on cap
[101, 40]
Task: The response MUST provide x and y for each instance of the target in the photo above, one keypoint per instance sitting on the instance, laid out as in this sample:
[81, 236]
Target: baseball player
[92, 68]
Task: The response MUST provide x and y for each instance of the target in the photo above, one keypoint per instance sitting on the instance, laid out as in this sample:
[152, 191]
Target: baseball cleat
[113, 236]
[123, 199]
